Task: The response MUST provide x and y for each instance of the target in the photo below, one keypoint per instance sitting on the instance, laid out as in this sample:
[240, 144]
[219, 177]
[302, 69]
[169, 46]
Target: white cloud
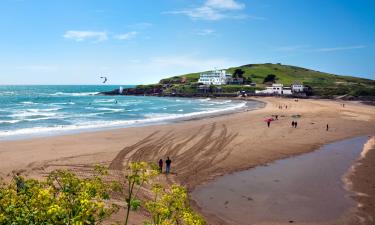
[205, 32]
[83, 35]
[225, 4]
[214, 10]
[334, 49]
[126, 36]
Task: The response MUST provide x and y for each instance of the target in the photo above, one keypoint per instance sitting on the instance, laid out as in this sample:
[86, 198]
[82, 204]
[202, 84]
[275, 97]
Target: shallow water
[305, 188]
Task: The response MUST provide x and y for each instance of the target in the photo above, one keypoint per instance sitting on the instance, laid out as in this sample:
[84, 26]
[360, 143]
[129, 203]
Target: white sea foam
[96, 124]
[29, 103]
[63, 103]
[9, 121]
[74, 94]
[105, 100]
[204, 100]
[29, 113]
[110, 109]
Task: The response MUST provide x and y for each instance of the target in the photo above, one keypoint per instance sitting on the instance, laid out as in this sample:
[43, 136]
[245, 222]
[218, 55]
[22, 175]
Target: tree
[238, 73]
[270, 78]
[249, 80]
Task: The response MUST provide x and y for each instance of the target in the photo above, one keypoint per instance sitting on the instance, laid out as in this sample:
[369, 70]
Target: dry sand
[200, 149]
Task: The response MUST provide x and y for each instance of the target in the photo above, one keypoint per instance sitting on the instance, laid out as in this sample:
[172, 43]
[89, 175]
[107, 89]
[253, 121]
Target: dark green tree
[238, 73]
[270, 78]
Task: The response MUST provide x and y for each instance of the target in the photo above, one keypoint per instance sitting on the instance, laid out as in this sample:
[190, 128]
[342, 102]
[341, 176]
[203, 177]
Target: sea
[44, 110]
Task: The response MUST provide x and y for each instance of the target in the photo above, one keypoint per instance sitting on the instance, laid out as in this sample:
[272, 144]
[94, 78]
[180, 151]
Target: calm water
[306, 188]
[40, 110]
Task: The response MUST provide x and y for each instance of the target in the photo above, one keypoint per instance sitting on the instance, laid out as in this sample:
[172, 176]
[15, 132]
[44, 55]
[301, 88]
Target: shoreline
[203, 149]
[144, 123]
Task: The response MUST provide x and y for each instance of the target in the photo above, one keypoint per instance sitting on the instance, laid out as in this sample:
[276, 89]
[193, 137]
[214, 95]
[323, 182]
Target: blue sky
[133, 42]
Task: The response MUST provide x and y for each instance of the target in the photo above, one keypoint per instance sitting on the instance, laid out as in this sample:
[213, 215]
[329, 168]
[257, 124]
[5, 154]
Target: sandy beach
[206, 148]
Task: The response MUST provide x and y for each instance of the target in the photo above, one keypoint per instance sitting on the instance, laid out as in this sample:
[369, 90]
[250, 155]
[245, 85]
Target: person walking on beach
[20, 183]
[168, 165]
[161, 166]
[327, 127]
[293, 123]
[268, 123]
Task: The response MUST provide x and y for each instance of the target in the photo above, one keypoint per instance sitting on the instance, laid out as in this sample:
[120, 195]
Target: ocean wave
[43, 110]
[7, 92]
[205, 99]
[109, 109]
[25, 114]
[9, 121]
[168, 116]
[105, 100]
[28, 103]
[63, 103]
[74, 94]
[94, 123]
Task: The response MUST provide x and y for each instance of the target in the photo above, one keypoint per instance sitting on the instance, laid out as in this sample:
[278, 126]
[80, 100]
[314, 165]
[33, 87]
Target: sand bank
[200, 149]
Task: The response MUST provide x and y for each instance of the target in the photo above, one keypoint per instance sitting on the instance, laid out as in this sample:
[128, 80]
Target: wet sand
[201, 150]
[362, 181]
[304, 189]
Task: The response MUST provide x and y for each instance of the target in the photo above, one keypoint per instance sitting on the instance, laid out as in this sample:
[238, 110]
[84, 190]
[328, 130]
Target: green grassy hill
[320, 82]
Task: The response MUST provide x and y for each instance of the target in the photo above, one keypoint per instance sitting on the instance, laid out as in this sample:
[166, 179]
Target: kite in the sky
[105, 79]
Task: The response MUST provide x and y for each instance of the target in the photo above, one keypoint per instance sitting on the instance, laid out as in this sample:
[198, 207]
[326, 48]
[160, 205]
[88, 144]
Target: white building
[297, 87]
[215, 77]
[276, 89]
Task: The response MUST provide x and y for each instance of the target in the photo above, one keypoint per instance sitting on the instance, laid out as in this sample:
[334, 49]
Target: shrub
[63, 198]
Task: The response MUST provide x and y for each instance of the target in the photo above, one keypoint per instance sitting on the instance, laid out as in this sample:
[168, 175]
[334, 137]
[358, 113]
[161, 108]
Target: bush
[61, 199]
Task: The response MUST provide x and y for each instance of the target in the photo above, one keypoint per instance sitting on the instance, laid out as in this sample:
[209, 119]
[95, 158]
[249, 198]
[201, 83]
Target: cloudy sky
[133, 42]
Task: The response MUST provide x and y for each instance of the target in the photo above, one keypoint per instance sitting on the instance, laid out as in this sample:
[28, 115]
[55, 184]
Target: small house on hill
[297, 87]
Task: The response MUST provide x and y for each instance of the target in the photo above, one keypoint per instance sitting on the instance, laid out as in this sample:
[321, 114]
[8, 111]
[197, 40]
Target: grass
[321, 83]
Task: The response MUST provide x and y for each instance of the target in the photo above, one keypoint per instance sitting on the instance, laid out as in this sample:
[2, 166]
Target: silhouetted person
[268, 123]
[295, 124]
[20, 183]
[161, 165]
[168, 165]
[327, 127]
[277, 117]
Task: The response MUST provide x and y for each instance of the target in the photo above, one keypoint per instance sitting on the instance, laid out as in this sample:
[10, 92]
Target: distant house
[233, 80]
[276, 89]
[215, 77]
[297, 87]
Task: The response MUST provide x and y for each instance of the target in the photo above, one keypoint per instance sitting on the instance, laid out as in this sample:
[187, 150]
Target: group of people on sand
[168, 163]
[282, 107]
[294, 124]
